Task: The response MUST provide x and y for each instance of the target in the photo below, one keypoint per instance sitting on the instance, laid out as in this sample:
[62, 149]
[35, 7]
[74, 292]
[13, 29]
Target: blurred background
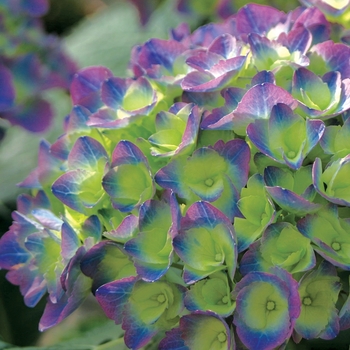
[93, 32]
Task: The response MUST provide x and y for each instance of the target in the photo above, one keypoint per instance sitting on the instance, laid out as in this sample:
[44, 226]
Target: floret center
[209, 182]
[218, 257]
[307, 301]
[336, 246]
[225, 299]
[161, 298]
[291, 154]
[222, 337]
[271, 305]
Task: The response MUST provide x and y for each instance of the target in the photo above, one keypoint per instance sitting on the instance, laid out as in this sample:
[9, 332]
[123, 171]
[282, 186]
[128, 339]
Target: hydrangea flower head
[204, 199]
[31, 62]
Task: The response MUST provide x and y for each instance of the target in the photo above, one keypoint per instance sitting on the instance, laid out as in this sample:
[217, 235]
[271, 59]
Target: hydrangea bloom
[31, 62]
[218, 174]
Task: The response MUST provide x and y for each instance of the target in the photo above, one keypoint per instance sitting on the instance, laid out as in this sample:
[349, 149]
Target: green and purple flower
[329, 233]
[267, 306]
[205, 232]
[318, 291]
[204, 199]
[281, 245]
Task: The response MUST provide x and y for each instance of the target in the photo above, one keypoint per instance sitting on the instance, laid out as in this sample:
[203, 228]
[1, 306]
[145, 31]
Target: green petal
[151, 300]
[168, 140]
[252, 207]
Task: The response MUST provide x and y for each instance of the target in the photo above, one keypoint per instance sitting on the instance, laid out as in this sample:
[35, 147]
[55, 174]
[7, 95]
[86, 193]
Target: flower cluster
[31, 62]
[204, 200]
[337, 12]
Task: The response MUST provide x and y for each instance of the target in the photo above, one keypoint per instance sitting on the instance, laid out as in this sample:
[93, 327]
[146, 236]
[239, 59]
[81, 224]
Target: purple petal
[86, 86]
[180, 32]
[49, 168]
[137, 334]
[106, 118]
[173, 341]
[77, 288]
[67, 189]
[70, 241]
[237, 155]
[47, 219]
[291, 201]
[274, 334]
[113, 296]
[8, 92]
[226, 46]
[263, 77]
[262, 48]
[251, 260]
[106, 262]
[125, 231]
[258, 133]
[202, 214]
[113, 91]
[198, 81]
[150, 272]
[26, 203]
[32, 286]
[160, 52]
[315, 21]
[314, 132]
[127, 153]
[335, 55]
[169, 177]
[203, 60]
[231, 65]
[253, 18]
[12, 253]
[257, 103]
[35, 8]
[144, 9]
[35, 116]
[78, 118]
[213, 79]
[299, 39]
[86, 154]
[344, 315]
[92, 228]
[232, 97]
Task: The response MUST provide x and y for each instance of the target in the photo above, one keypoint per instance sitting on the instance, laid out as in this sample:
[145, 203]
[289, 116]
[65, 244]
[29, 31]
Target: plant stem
[110, 344]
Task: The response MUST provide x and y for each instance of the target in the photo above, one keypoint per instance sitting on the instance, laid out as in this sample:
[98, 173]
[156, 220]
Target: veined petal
[205, 330]
[257, 103]
[207, 233]
[254, 18]
[275, 304]
[334, 55]
[106, 262]
[87, 153]
[114, 295]
[86, 86]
